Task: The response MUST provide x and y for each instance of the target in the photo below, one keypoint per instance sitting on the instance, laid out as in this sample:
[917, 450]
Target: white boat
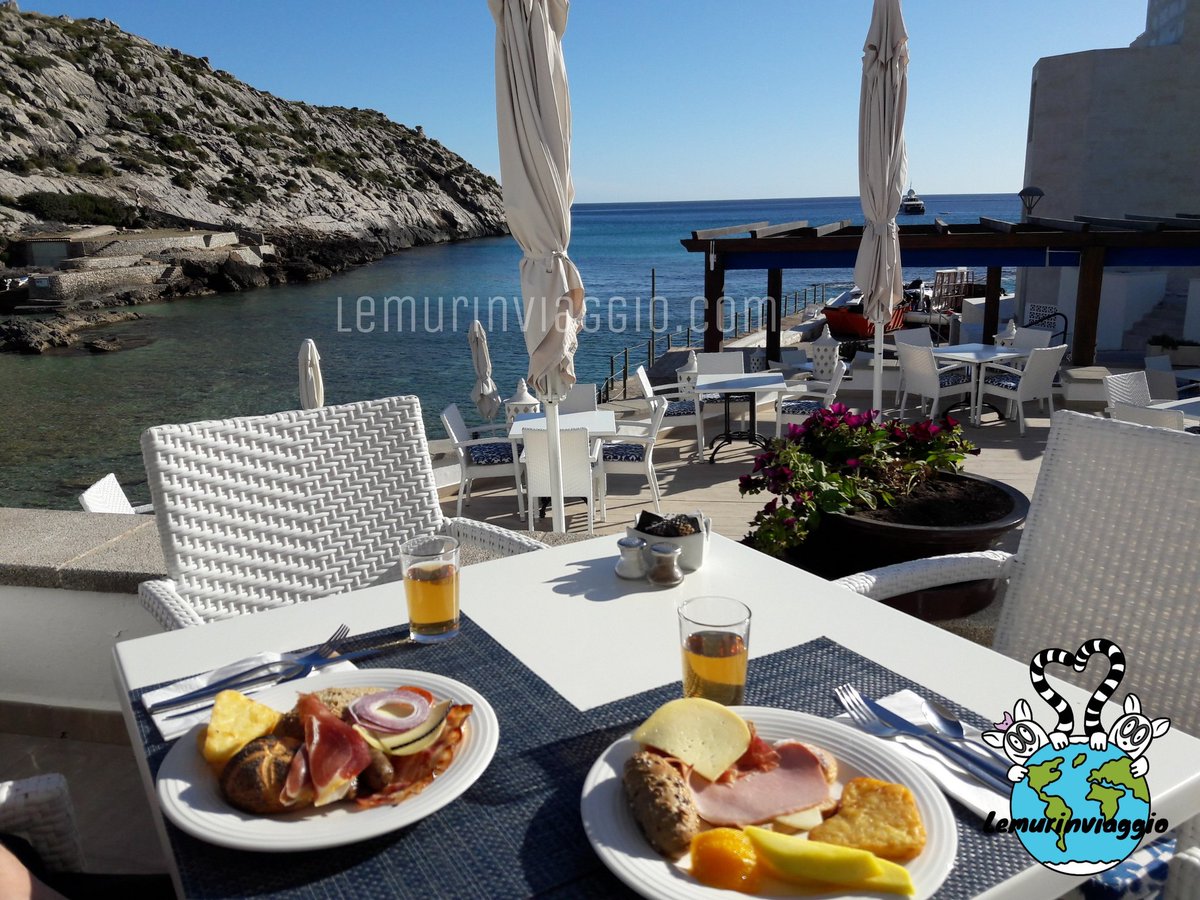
[912, 205]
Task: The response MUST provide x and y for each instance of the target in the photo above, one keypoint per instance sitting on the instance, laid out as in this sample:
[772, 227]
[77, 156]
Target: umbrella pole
[877, 393]
[554, 444]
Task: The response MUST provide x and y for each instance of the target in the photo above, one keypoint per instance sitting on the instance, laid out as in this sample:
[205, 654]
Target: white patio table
[598, 422]
[732, 387]
[1190, 407]
[594, 639]
[975, 355]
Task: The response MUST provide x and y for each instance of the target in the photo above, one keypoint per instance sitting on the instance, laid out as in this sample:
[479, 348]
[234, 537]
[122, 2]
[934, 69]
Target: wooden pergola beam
[710, 233]
[778, 229]
[1169, 221]
[1121, 224]
[827, 228]
[1060, 224]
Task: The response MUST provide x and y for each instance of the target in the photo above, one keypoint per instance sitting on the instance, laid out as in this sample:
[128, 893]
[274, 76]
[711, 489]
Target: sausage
[378, 775]
[661, 803]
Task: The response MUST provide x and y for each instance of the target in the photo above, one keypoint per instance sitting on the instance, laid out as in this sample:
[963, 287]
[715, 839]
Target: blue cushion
[680, 408]
[1006, 380]
[949, 379]
[1143, 875]
[624, 453]
[800, 407]
[491, 454]
[710, 398]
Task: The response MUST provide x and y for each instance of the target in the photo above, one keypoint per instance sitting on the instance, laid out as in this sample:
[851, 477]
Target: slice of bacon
[336, 752]
[416, 772]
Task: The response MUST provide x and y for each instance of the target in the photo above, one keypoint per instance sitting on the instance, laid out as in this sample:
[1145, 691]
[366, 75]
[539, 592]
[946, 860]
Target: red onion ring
[372, 711]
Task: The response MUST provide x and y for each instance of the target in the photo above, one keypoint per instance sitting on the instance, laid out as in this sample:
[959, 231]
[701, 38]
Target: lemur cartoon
[1131, 732]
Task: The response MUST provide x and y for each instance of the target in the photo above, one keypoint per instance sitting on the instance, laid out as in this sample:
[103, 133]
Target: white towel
[174, 722]
[945, 773]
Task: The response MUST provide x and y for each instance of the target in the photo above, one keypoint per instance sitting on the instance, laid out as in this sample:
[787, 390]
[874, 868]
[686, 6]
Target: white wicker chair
[1035, 381]
[632, 453]
[1131, 388]
[39, 809]
[1160, 378]
[267, 511]
[1110, 549]
[917, 337]
[580, 398]
[794, 406]
[1148, 415]
[582, 469]
[922, 377]
[481, 457]
[107, 496]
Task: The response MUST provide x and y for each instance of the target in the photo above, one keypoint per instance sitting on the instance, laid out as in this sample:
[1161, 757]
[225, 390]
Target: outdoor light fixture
[1030, 196]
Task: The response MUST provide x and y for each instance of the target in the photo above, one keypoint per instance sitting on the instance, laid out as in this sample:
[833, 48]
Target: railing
[747, 322]
[1059, 336]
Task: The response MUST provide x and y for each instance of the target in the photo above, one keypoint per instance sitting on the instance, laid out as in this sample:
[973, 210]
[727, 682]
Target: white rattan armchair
[632, 452]
[266, 511]
[107, 496]
[481, 456]
[795, 405]
[682, 401]
[1034, 381]
[921, 376]
[39, 809]
[582, 468]
[1080, 572]
[1130, 387]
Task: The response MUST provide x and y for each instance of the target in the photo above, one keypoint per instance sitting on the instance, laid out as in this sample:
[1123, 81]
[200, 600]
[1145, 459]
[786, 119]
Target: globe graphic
[1096, 790]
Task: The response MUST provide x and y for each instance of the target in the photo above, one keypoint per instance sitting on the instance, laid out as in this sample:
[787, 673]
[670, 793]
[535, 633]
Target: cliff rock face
[90, 111]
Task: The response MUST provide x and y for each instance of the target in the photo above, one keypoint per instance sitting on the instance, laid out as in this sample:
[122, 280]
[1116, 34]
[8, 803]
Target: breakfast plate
[619, 843]
[190, 796]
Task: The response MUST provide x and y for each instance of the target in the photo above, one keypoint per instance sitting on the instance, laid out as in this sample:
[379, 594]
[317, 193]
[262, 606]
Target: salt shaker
[631, 564]
[665, 570]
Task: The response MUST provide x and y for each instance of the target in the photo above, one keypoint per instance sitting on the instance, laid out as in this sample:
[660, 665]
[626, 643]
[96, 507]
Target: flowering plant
[839, 460]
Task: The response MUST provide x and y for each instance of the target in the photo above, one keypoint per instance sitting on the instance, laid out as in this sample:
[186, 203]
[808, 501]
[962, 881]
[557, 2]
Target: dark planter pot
[845, 544]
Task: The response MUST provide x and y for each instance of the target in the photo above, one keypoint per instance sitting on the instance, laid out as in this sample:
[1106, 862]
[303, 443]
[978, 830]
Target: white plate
[191, 798]
[620, 845]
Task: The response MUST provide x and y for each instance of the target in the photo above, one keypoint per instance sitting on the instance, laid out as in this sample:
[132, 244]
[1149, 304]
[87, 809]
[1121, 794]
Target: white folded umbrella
[312, 386]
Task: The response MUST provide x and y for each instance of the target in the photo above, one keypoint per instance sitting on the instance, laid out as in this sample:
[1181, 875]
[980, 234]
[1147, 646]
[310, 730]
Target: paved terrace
[60, 713]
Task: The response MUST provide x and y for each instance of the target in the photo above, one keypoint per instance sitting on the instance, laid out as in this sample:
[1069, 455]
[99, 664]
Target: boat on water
[844, 313]
[912, 205]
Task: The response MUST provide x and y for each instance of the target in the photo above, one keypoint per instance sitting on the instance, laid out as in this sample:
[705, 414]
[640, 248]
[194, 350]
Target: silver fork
[290, 665]
[866, 720]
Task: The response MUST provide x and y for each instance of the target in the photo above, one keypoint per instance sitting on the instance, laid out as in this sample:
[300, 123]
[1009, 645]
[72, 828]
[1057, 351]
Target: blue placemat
[517, 831]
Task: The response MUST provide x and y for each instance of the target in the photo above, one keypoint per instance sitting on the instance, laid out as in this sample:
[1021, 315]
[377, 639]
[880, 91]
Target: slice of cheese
[705, 735]
[804, 820]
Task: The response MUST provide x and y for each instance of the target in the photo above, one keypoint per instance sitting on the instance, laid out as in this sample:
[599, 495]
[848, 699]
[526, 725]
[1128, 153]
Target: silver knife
[994, 775]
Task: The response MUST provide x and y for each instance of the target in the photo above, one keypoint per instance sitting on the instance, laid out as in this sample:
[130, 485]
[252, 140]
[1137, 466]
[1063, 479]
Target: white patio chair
[1032, 338]
[582, 470]
[580, 398]
[1018, 386]
[1130, 387]
[1160, 378]
[39, 809]
[632, 453]
[481, 457]
[790, 359]
[1148, 415]
[267, 511]
[107, 496]
[1077, 573]
[794, 406]
[916, 337]
[923, 378]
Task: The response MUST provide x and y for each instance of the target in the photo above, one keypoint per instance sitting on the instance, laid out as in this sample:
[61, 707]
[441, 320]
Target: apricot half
[724, 858]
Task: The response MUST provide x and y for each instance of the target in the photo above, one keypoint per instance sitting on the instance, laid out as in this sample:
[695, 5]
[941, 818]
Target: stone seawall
[70, 286]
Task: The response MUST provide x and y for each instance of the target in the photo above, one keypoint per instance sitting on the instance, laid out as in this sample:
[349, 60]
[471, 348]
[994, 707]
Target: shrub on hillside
[83, 208]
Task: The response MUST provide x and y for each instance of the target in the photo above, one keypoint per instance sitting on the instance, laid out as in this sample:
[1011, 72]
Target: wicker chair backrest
[576, 462]
[1131, 387]
[266, 511]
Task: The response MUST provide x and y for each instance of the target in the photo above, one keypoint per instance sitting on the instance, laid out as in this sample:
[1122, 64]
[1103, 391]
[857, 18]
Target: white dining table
[596, 638]
[730, 386]
[598, 422]
[975, 356]
[1189, 406]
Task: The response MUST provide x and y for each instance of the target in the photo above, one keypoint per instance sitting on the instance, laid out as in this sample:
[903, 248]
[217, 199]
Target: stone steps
[1166, 317]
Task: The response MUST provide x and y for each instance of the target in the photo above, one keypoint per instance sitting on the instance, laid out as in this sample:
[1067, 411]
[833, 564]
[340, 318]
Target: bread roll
[661, 803]
[253, 779]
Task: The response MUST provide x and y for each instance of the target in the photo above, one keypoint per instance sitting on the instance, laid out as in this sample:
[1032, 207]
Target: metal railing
[751, 320]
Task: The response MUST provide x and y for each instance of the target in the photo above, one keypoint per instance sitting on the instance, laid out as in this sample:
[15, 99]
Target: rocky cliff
[97, 125]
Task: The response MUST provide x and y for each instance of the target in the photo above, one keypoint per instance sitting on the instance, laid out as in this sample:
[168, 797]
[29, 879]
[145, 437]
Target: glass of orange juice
[715, 637]
[431, 587]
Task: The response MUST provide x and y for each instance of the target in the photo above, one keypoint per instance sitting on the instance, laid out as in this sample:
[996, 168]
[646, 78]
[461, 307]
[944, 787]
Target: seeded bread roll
[253, 779]
[661, 803]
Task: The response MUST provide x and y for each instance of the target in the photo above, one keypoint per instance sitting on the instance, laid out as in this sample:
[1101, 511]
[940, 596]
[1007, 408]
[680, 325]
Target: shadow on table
[596, 580]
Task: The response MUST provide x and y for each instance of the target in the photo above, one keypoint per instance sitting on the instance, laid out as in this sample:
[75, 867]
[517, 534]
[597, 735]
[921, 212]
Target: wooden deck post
[774, 301]
[991, 305]
[714, 290]
[1087, 305]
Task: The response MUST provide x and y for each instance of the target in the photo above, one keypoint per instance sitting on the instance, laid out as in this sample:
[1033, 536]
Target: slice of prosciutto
[336, 753]
[798, 782]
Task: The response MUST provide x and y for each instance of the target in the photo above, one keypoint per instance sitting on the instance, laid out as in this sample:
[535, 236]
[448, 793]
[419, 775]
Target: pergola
[1087, 242]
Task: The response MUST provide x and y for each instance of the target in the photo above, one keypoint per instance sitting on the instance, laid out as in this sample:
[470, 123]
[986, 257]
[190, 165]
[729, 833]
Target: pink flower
[852, 463]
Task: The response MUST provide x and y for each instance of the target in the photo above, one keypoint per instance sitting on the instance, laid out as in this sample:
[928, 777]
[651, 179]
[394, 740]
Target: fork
[290, 665]
[866, 720]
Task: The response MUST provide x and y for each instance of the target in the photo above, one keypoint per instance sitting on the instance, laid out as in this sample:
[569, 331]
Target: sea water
[68, 417]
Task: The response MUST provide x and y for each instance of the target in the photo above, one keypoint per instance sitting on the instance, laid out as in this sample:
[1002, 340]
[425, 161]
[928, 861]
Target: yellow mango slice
[791, 857]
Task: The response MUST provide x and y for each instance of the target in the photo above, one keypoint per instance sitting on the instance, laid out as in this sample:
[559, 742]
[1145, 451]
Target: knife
[267, 679]
[995, 775]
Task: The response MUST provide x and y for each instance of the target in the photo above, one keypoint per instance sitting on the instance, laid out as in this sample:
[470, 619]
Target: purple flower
[852, 463]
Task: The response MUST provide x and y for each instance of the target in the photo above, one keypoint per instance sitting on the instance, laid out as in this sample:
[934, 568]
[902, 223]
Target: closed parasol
[312, 386]
[485, 393]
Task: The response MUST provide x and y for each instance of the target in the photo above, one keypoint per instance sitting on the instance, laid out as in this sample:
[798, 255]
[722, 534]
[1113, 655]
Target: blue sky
[673, 99]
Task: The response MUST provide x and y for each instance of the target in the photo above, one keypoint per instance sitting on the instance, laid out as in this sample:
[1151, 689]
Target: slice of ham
[336, 752]
[298, 789]
[798, 782]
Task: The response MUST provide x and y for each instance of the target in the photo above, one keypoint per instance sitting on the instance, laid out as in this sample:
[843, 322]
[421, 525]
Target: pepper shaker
[631, 564]
[665, 570]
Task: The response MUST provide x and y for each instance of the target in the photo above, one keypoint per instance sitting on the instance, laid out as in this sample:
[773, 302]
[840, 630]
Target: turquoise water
[67, 418]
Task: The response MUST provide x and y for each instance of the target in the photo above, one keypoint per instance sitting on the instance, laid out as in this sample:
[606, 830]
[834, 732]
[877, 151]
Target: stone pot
[844, 544]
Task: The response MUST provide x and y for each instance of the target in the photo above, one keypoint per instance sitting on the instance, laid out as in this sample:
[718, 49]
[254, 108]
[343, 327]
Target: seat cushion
[800, 407]
[624, 453]
[493, 454]
[1006, 380]
[680, 408]
[949, 379]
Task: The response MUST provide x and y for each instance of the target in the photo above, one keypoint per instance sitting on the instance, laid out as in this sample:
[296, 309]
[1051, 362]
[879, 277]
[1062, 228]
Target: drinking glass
[715, 637]
[431, 586]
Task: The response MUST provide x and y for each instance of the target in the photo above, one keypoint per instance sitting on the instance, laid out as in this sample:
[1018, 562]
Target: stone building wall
[70, 286]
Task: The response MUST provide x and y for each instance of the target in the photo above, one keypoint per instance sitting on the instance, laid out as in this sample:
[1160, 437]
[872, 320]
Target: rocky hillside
[139, 133]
